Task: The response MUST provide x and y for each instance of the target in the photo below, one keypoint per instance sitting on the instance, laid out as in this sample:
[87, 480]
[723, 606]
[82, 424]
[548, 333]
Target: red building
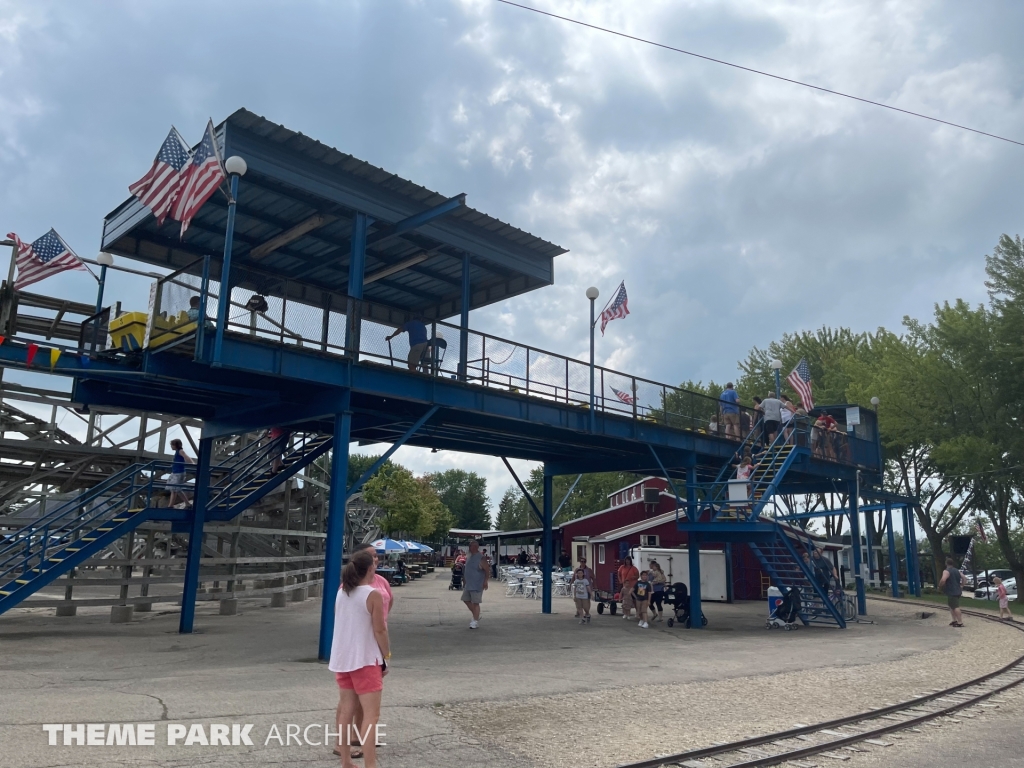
[644, 515]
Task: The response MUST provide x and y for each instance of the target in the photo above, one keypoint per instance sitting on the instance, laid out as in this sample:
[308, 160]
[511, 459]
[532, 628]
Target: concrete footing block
[228, 607]
[278, 600]
[121, 614]
[143, 607]
[67, 610]
[298, 595]
[314, 591]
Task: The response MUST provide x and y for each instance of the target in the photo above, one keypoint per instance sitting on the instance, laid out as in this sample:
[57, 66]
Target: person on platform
[771, 407]
[628, 577]
[176, 480]
[359, 654]
[730, 410]
[417, 340]
[952, 585]
[478, 570]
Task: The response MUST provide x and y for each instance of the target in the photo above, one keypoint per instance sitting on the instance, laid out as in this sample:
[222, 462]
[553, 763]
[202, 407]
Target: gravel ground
[612, 726]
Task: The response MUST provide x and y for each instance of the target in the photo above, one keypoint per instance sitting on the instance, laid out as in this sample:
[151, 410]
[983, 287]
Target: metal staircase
[34, 556]
[782, 560]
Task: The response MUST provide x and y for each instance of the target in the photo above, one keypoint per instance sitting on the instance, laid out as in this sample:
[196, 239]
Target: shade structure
[423, 549]
[411, 547]
[384, 546]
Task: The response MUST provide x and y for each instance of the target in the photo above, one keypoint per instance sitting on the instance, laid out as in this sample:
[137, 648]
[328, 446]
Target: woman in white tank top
[359, 651]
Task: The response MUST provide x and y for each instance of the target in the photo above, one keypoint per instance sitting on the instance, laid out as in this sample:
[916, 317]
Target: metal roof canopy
[294, 221]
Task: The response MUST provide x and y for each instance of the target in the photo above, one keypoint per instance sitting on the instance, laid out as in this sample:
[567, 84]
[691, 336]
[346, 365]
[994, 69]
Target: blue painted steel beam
[533, 505]
[464, 318]
[390, 451]
[547, 543]
[869, 537]
[335, 542]
[855, 540]
[689, 509]
[224, 297]
[567, 494]
[195, 537]
[912, 547]
[894, 566]
[417, 220]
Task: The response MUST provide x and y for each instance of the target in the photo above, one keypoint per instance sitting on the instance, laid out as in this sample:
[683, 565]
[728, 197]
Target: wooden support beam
[315, 221]
[398, 267]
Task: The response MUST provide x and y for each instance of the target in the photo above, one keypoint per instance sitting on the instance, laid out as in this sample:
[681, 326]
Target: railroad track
[837, 740]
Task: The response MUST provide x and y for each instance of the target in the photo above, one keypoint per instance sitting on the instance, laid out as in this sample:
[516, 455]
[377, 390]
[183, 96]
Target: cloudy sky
[736, 208]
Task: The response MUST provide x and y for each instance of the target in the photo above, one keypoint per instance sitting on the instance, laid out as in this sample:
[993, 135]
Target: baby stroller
[786, 612]
[457, 571]
[678, 596]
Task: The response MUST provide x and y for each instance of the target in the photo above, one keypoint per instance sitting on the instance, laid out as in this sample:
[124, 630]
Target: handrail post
[204, 293]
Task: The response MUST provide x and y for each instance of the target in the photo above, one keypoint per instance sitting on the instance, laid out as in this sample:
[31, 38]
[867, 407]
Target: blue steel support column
[195, 537]
[894, 566]
[464, 320]
[912, 547]
[335, 542]
[869, 537]
[356, 270]
[862, 607]
[905, 512]
[547, 556]
[204, 294]
[99, 288]
[224, 298]
[693, 546]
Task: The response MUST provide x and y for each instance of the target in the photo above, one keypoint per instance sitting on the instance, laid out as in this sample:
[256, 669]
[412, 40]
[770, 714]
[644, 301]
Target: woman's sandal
[356, 754]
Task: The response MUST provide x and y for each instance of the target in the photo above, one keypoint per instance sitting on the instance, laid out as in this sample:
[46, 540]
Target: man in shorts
[476, 575]
[730, 411]
[952, 585]
[417, 340]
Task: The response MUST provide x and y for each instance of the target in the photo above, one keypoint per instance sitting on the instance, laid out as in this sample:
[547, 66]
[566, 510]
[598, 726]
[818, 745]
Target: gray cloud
[736, 208]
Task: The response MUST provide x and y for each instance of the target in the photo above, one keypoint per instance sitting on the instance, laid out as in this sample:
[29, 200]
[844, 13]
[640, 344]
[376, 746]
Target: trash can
[774, 598]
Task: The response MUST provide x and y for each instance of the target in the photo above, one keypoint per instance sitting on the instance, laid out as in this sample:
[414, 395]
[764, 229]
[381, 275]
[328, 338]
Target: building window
[600, 553]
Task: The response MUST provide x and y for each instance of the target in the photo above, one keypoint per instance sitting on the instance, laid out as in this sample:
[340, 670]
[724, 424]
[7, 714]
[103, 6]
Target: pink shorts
[367, 679]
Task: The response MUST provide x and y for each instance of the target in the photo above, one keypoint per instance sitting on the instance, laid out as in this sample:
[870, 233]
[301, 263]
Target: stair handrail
[303, 441]
[809, 575]
[91, 494]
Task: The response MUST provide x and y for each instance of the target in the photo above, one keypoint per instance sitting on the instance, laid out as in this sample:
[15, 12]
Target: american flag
[46, 256]
[627, 399]
[158, 189]
[800, 381]
[619, 307]
[199, 180]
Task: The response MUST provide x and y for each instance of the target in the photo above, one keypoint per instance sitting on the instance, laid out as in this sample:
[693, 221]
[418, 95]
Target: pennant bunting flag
[54, 357]
[32, 349]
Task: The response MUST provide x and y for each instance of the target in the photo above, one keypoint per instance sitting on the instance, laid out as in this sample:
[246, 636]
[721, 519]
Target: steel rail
[690, 757]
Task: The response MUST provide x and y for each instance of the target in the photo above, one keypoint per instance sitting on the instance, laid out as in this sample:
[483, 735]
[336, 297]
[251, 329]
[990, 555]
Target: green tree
[410, 504]
[514, 512]
[589, 495]
[465, 495]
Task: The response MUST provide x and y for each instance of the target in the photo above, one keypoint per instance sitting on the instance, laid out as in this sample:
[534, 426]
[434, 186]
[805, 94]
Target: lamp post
[592, 294]
[104, 260]
[776, 367]
[236, 168]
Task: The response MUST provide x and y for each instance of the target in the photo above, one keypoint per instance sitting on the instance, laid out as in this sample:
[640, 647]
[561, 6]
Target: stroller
[678, 596]
[457, 571]
[786, 612]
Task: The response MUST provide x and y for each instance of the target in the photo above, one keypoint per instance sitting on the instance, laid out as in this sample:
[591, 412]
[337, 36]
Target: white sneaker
[625, 616]
[644, 624]
[473, 624]
[639, 623]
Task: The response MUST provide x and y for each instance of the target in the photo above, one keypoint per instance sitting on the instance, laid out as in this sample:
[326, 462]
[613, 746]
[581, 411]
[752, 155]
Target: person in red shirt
[628, 577]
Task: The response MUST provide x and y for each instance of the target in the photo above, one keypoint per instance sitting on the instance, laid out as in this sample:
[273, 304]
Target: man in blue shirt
[730, 411]
[417, 340]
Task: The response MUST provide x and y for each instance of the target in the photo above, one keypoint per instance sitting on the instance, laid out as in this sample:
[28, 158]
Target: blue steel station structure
[300, 276]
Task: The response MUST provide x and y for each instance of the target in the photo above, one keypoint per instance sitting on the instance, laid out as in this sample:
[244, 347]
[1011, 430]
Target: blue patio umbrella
[384, 546]
[421, 548]
[411, 547]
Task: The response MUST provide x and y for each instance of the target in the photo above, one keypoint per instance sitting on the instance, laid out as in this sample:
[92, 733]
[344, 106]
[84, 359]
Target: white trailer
[676, 564]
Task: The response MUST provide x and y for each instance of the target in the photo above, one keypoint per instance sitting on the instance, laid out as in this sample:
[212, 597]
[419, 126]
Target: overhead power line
[760, 72]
